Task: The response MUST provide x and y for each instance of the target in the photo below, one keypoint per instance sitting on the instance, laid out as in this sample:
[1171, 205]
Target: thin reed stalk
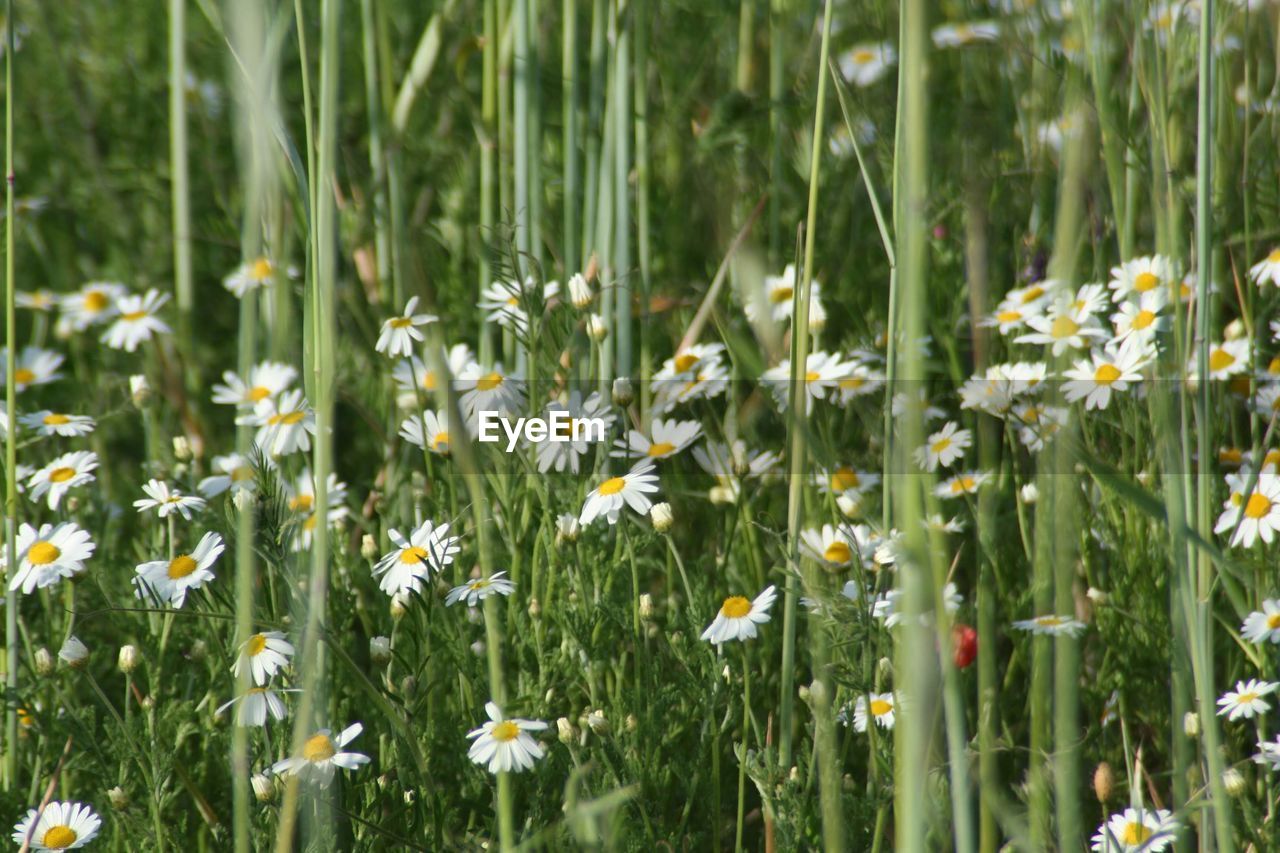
[488, 163]
[640, 21]
[180, 184]
[521, 83]
[11, 412]
[570, 97]
[620, 334]
[377, 152]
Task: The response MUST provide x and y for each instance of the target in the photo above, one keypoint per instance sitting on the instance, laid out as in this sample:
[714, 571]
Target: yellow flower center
[488, 383]
[261, 269]
[257, 643]
[23, 376]
[43, 553]
[55, 420]
[685, 362]
[480, 584]
[1246, 698]
[1009, 316]
[1142, 320]
[318, 748]
[1063, 327]
[879, 707]
[863, 57]
[505, 731]
[812, 376]
[940, 445]
[960, 485]
[1032, 294]
[1144, 281]
[781, 294]
[181, 566]
[242, 473]
[735, 607]
[837, 552]
[413, 555]
[287, 418]
[1258, 506]
[95, 301]
[257, 394]
[1231, 455]
[662, 448]
[59, 837]
[1106, 374]
[1048, 621]
[1134, 834]
[1274, 257]
[61, 475]
[844, 479]
[401, 322]
[441, 440]
[1273, 621]
[133, 316]
[1220, 360]
[302, 503]
[429, 380]
[613, 485]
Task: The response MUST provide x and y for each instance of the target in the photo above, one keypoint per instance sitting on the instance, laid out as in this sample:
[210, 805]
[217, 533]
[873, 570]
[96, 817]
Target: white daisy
[1226, 359]
[165, 500]
[168, 581]
[412, 374]
[738, 617]
[1109, 368]
[136, 321]
[234, 472]
[505, 745]
[263, 655]
[284, 426]
[1142, 275]
[1259, 516]
[428, 549]
[266, 380]
[480, 589]
[39, 299]
[845, 480]
[1246, 700]
[429, 431]
[66, 472]
[399, 333]
[94, 303]
[834, 547]
[966, 483]
[632, 489]
[1141, 317]
[489, 390]
[48, 555]
[1267, 269]
[300, 496]
[1052, 626]
[880, 708]
[1262, 626]
[35, 366]
[46, 422]
[321, 756]
[59, 826]
[864, 64]
[961, 35]
[1136, 831]
[665, 439]
[777, 299]
[250, 276]
[1268, 753]
[823, 371]
[1062, 328]
[709, 380]
[944, 447]
[256, 704]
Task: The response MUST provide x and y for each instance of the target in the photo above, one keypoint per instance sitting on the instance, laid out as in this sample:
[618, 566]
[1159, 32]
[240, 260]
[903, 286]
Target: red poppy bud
[964, 642]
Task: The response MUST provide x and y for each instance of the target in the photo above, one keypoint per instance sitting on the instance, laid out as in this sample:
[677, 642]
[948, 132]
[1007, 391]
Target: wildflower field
[641, 425]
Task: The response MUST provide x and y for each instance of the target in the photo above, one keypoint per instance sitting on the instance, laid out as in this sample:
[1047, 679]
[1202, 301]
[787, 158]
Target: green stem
[10, 446]
[746, 740]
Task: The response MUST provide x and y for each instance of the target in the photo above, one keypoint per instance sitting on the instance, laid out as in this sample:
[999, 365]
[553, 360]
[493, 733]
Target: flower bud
[660, 514]
[128, 659]
[139, 390]
[1029, 493]
[1104, 782]
[242, 500]
[623, 393]
[850, 505]
[380, 651]
[199, 649]
[368, 547]
[632, 723]
[73, 652]
[580, 293]
[181, 448]
[264, 787]
[722, 495]
[597, 330]
[118, 798]
[646, 606]
[1233, 782]
[535, 608]
[598, 723]
[1191, 724]
[567, 529]
[43, 661]
[399, 606]
[408, 687]
[565, 731]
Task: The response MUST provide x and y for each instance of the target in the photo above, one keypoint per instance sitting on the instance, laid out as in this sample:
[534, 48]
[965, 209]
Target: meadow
[935, 352]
